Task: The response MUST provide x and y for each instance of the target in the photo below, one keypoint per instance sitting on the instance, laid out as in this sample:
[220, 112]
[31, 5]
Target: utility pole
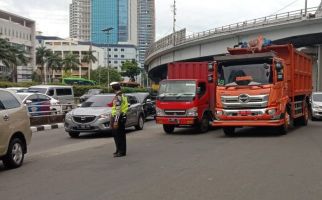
[305, 10]
[174, 21]
[107, 32]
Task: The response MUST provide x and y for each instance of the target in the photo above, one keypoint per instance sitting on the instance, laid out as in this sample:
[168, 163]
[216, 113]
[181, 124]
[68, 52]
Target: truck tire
[168, 128]
[229, 131]
[15, 154]
[73, 134]
[302, 121]
[203, 126]
[288, 123]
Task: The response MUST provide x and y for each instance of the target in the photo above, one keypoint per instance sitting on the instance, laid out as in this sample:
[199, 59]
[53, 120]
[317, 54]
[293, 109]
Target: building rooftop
[16, 18]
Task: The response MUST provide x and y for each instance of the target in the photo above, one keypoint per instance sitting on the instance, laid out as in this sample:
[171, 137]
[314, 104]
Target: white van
[65, 94]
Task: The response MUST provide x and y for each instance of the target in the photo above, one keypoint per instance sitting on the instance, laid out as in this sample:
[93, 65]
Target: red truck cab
[186, 98]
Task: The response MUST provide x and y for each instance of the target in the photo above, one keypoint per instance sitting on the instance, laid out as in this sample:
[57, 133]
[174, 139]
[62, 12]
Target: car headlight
[159, 111]
[105, 116]
[315, 106]
[68, 116]
[271, 111]
[193, 112]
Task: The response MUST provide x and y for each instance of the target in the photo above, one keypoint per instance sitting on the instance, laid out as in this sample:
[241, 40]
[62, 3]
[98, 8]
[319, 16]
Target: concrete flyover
[303, 28]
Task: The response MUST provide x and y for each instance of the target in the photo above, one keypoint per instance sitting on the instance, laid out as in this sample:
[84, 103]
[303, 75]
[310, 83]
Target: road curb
[46, 127]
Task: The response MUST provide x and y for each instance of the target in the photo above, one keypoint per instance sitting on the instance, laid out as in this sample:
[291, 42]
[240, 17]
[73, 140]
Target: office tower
[79, 19]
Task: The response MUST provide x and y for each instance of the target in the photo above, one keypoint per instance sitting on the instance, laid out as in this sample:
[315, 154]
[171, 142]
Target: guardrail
[169, 40]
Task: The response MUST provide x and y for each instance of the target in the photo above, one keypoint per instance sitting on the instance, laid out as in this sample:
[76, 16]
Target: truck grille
[84, 119]
[245, 101]
[175, 112]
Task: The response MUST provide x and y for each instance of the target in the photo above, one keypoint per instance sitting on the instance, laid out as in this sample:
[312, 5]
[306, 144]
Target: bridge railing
[168, 41]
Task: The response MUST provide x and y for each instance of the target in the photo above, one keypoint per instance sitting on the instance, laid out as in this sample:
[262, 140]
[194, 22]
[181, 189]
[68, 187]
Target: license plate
[84, 127]
[174, 121]
[245, 113]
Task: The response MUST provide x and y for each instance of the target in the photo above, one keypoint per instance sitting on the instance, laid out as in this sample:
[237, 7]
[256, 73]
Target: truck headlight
[271, 111]
[193, 112]
[159, 111]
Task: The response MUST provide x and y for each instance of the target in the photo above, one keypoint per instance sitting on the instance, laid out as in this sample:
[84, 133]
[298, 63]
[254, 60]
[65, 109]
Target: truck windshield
[177, 90]
[230, 74]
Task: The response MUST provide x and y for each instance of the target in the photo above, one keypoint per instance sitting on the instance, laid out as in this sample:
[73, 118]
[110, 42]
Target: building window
[115, 56]
[122, 49]
[122, 56]
[115, 62]
[115, 49]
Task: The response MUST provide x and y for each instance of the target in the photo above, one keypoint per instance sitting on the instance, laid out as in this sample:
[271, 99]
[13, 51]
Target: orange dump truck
[268, 87]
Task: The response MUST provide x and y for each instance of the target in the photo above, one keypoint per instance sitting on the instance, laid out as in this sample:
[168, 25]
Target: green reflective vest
[124, 106]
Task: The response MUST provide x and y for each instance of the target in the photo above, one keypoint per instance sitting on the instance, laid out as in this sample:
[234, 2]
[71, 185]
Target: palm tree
[42, 54]
[54, 62]
[70, 62]
[12, 56]
[89, 58]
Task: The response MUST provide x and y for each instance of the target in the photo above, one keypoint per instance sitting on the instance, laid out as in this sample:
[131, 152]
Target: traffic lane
[180, 166]
[48, 139]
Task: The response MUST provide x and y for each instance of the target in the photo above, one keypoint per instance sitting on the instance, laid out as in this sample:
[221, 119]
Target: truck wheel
[229, 131]
[203, 126]
[168, 128]
[73, 134]
[15, 154]
[302, 121]
[288, 123]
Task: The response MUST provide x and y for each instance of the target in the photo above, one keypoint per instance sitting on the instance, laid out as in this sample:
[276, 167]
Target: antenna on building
[174, 20]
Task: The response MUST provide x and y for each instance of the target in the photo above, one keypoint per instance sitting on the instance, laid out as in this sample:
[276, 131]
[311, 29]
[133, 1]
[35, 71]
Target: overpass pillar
[319, 69]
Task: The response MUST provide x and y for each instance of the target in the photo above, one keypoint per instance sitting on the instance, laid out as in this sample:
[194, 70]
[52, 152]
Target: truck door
[203, 98]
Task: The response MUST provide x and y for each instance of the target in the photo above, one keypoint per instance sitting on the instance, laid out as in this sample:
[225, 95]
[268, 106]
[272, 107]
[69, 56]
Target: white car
[55, 106]
[316, 105]
[17, 89]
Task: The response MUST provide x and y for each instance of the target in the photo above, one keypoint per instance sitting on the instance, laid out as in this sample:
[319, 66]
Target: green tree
[42, 54]
[70, 62]
[89, 58]
[130, 69]
[12, 56]
[100, 75]
[54, 63]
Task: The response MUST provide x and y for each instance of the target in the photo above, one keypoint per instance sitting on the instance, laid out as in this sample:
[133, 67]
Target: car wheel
[15, 154]
[73, 134]
[168, 128]
[140, 124]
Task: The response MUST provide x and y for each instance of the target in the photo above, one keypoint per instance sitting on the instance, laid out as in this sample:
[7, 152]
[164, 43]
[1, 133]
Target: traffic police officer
[119, 110]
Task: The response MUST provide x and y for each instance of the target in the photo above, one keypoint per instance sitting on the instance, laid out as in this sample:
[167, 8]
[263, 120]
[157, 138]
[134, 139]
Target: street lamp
[107, 32]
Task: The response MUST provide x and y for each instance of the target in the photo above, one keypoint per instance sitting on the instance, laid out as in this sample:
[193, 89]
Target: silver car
[95, 113]
[316, 105]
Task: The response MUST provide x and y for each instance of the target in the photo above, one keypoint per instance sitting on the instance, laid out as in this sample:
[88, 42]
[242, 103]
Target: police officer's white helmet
[114, 83]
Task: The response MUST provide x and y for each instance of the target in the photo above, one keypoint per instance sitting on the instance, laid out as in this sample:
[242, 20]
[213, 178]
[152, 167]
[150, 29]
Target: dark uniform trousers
[120, 136]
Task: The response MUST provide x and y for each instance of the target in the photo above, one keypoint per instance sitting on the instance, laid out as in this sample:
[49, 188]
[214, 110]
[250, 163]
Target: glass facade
[123, 20]
[109, 14]
[104, 15]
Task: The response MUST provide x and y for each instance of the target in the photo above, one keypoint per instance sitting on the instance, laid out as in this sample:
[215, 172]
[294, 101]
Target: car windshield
[38, 90]
[97, 101]
[177, 88]
[231, 74]
[317, 97]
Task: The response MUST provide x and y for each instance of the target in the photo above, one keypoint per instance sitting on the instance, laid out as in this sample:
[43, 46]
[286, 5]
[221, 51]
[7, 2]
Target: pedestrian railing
[170, 40]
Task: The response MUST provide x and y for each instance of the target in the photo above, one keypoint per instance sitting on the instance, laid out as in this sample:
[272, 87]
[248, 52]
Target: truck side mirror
[198, 90]
[280, 71]
[210, 67]
[278, 66]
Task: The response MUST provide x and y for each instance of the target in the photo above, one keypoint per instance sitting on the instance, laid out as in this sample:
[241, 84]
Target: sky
[52, 16]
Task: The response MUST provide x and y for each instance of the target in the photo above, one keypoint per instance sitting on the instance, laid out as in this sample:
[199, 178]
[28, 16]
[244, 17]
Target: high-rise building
[120, 15]
[79, 19]
[146, 26]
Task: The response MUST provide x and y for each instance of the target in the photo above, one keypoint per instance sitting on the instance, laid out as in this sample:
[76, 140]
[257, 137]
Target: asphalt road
[255, 165]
